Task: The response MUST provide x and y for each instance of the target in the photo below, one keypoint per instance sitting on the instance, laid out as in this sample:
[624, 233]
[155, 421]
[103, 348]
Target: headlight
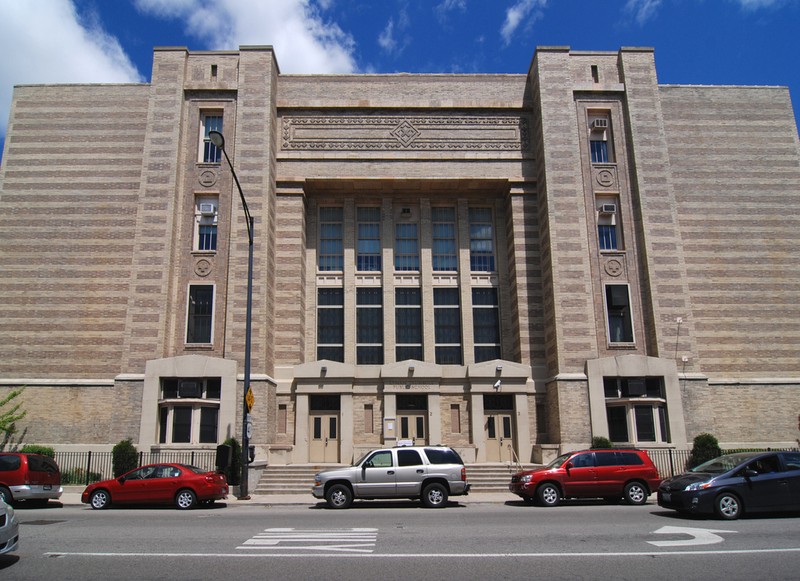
[317, 480]
[526, 478]
[697, 486]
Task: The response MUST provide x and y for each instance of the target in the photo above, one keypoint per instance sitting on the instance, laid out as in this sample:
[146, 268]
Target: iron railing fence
[671, 462]
[87, 467]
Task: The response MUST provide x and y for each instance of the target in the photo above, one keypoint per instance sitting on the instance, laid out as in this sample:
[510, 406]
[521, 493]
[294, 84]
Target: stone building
[508, 264]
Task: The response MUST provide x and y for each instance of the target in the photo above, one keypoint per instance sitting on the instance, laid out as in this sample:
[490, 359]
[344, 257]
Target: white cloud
[303, 41]
[517, 14]
[44, 41]
[642, 10]
[752, 5]
[386, 38]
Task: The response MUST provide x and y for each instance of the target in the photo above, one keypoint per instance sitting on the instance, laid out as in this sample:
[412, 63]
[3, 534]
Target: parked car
[733, 484]
[612, 474]
[9, 529]
[30, 477]
[430, 473]
[181, 484]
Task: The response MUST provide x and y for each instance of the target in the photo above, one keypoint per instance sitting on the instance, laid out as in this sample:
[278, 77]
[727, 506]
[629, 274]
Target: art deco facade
[508, 264]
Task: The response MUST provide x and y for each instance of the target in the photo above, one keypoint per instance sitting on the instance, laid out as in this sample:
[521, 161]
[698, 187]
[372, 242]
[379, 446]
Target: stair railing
[515, 459]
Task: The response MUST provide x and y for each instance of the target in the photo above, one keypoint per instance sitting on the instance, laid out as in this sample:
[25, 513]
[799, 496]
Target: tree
[601, 442]
[10, 414]
[124, 457]
[705, 448]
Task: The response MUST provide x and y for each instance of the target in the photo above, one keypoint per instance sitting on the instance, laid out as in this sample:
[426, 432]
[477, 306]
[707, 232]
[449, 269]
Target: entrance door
[413, 426]
[324, 445]
[499, 436]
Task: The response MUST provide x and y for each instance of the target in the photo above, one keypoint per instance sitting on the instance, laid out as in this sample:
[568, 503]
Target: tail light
[463, 474]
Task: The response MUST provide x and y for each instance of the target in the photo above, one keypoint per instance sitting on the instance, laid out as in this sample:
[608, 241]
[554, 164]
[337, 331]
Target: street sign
[250, 399]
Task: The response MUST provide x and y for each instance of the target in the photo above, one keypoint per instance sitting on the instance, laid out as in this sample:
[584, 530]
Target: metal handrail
[515, 458]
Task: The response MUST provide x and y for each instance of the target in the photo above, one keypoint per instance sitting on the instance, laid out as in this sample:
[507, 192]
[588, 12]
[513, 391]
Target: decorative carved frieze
[605, 178]
[406, 133]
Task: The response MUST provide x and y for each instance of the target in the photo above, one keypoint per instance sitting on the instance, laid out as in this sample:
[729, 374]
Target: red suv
[610, 474]
[31, 477]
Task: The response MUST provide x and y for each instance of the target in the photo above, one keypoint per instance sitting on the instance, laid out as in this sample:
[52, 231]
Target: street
[399, 540]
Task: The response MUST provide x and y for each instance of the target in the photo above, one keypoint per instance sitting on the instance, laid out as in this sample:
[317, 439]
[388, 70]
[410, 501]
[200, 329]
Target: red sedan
[184, 485]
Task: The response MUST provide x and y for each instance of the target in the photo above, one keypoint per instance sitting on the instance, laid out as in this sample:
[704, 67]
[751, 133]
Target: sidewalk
[72, 496]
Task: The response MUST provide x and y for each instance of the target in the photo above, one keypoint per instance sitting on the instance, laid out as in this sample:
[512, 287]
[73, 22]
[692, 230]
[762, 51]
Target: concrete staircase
[299, 478]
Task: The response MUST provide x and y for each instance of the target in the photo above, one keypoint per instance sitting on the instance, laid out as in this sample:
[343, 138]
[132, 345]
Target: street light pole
[219, 141]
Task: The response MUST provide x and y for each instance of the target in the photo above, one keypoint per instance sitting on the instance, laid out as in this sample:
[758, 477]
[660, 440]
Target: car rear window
[439, 456]
[618, 459]
[42, 464]
[9, 463]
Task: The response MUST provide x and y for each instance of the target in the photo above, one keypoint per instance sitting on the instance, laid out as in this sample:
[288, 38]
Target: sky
[706, 42]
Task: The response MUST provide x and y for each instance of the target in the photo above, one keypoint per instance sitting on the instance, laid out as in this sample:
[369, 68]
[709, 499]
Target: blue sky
[729, 42]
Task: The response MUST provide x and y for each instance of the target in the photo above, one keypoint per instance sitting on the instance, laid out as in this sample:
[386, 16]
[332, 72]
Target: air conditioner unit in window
[608, 209]
[207, 209]
[600, 124]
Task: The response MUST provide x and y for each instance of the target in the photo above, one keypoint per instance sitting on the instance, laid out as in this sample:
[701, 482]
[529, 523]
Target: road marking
[697, 536]
[357, 540]
[431, 555]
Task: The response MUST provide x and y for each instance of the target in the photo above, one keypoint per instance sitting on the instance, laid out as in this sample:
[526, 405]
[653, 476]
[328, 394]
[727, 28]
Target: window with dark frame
[618, 312]
[368, 228]
[331, 245]
[443, 230]
[210, 122]
[481, 240]
[485, 324]
[200, 313]
[406, 249]
[330, 324]
[369, 326]
[408, 324]
[447, 326]
[189, 410]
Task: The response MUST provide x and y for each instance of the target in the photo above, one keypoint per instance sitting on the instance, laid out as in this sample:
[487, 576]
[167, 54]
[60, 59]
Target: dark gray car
[430, 473]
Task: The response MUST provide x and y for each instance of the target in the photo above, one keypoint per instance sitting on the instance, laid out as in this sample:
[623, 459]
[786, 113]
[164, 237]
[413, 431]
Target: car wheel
[339, 496]
[185, 499]
[548, 494]
[728, 506]
[635, 493]
[5, 495]
[434, 495]
[100, 499]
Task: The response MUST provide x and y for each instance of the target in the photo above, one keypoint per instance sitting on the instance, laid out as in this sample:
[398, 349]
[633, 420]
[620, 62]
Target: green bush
[601, 442]
[37, 449]
[124, 457]
[78, 476]
[705, 448]
[233, 472]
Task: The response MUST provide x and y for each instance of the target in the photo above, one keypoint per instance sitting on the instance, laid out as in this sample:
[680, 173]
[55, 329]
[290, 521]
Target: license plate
[48, 487]
[666, 496]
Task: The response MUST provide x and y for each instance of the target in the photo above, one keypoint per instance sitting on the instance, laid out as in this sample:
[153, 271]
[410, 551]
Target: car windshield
[723, 463]
[360, 460]
[558, 462]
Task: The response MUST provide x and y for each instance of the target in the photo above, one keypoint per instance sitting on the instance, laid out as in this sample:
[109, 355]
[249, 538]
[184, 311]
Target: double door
[498, 434]
[413, 426]
[324, 444]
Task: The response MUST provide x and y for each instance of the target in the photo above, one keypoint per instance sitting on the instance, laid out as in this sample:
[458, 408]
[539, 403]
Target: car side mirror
[569, 465]
[121, 480]
[749, 473]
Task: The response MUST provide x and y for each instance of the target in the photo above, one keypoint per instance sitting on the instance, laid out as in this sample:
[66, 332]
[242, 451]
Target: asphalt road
[399, 540]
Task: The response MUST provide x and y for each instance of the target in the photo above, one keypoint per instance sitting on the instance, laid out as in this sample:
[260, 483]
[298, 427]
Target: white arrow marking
[698, 536]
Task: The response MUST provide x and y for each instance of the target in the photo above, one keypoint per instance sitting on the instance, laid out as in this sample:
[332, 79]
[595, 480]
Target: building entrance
[324, 422]
[412, 418]
[498, 427]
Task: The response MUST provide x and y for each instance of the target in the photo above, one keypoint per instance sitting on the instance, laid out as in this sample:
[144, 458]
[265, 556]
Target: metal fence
[86, 467]
[671, 462]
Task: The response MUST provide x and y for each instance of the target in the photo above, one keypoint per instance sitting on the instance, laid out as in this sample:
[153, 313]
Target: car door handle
[390, 472]
[420, 471]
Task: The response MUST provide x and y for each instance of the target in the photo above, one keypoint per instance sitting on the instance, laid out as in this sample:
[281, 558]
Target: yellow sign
[250, 399]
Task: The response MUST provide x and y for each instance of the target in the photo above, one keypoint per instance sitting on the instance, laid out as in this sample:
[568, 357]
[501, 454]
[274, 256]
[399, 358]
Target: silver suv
[430, 473]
